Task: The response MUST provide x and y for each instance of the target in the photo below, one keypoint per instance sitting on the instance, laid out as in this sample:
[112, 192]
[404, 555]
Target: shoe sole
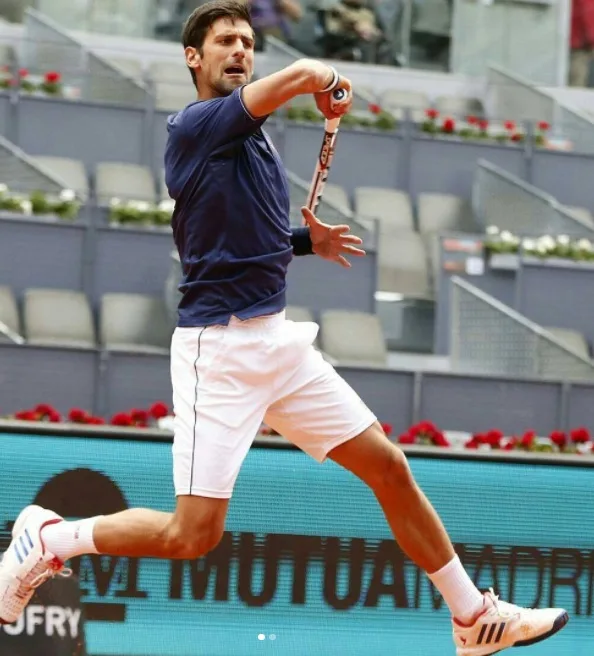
[558, 624]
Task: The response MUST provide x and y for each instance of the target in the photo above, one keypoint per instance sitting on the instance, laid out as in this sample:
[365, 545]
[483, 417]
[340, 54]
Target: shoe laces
[502, 608]
[41, 573]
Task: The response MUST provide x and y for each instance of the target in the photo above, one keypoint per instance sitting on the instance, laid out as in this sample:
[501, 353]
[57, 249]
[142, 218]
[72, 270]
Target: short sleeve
[220, 121]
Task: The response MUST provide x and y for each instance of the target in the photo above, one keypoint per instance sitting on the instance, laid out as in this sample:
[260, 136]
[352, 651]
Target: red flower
[26, 415]
[95, 421]
[23, 72]
[44, 409]
[159, 410]
[472, 120]
[77, 416]
[431, 114]
[387, 428]
[559, 439]
[139, 416]
[516, 136]
[407, 438]
[580, 435]
[473, 443]
[121, 419]
[528, 439]
[483, 124]
[493, 438]
[424, 428]
[374, 108]
[449, 125]
[439, 439]
[509, 125]
[543, 125]
[54, 417]
[511, 444]
[52, 77]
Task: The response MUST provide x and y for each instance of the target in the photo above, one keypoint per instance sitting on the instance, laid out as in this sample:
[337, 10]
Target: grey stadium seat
[397, 100]
[10, 324]
[442, 213]
[572, 339]
[127, 65]
[172, 71]
[174, 96]
[582, 213]
[353, 337]
[124, 181]
[71, 171]
[58, 317]
[298, 313]
[337, 195]
[134, 322]
[459, 106]
[404, 264]
[391, 207]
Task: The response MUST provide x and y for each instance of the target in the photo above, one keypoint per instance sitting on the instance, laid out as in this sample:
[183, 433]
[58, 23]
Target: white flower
[67, 195]
[167, 205]
[492, 230]
[529, 244]
[563, 240]
[140, 205]
[115, 202]
[585, 245]
[3, 189]
[543, 250]
[507, 236]
[27, 207]
[547, 242]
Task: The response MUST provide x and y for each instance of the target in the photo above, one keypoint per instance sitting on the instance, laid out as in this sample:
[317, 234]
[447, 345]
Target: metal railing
[19, 172]
[490, 338]
[47, 46]
[503, 199]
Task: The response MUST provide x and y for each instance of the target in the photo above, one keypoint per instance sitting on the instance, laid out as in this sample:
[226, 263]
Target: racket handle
[338, 97]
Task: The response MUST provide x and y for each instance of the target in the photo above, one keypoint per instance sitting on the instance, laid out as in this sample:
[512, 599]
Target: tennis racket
[324, 160]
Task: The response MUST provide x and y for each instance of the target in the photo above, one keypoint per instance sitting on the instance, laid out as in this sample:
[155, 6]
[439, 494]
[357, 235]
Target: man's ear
[192, 58]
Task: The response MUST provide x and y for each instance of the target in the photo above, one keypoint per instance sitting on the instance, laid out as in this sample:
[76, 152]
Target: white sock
[459, 592]
[69, 539]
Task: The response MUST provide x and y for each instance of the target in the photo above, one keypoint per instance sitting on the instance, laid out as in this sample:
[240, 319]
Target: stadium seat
[10, 324]
[391, 207]
[130, 67]
[171, 71]
[71, 171]
[337, 195]
[572, 339]
[174, 96]
[124, 181]
[443, 212]
[396, 100]
[459, 106]
[135, 323]
[582, 213]
[403, 264]
[298, 313]
[58, 317]
[353, 337]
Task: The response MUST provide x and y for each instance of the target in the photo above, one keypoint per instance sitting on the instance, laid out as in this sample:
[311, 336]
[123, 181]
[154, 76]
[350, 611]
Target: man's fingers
[309, 216]
[351, 239]
[351, 250]
[339, 229]
[343, 261]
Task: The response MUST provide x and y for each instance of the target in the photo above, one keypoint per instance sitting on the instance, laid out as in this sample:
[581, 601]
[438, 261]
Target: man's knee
[191, 541]
[392, 472]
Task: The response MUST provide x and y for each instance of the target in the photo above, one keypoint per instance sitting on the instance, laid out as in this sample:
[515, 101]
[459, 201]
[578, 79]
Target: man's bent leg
[194, 529]
[413, 520]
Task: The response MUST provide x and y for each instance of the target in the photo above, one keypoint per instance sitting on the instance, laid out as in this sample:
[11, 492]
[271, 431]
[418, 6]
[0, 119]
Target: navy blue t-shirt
[231, 220]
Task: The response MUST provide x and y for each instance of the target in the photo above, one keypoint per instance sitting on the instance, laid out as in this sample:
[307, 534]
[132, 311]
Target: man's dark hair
[202, 18]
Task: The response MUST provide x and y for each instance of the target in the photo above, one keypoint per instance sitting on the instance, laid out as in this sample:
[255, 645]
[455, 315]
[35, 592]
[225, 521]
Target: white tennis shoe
[26, 563]
[502, 625]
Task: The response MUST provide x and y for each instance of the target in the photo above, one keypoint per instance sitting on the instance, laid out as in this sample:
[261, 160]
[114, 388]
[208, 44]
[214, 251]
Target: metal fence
[487, 337]
[21, 174]
[502, 199]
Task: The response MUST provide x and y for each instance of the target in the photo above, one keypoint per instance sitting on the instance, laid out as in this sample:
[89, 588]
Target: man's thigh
[217, 413]
[317, 409]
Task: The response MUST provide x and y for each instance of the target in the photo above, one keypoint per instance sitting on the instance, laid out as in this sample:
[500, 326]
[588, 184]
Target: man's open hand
[332, 242]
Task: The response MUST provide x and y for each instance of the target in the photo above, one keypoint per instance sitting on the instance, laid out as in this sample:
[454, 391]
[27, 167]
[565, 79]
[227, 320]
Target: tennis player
[236, 360]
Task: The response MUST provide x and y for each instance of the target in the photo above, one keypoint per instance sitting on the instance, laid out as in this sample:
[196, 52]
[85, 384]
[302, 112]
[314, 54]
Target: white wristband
[334, 83]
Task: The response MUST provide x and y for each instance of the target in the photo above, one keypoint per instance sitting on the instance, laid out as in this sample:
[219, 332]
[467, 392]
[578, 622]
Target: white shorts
[227, 380]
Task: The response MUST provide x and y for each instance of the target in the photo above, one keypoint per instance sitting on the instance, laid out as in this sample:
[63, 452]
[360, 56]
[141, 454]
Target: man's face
[227, 58]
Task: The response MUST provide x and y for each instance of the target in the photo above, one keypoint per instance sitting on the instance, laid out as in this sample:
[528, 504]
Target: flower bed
[140, 213]
[48, 84]
[63, 205]
[547, 246]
